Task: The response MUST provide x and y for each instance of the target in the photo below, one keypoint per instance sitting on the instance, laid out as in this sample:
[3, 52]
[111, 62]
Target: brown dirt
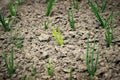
[39, 45]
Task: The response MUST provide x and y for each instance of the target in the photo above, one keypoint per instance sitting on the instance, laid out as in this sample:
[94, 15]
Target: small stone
[66, 70]
[44, 55]
[43, 37]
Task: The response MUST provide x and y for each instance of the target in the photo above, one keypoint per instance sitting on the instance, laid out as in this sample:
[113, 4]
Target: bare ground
[39, 45]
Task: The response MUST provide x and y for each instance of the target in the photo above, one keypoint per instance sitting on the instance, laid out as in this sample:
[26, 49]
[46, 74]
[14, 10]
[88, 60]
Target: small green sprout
[58, 36]
[90, 63]
[34, 73]
[109, 29]
[108, 33]
[102, 7]
[46, 25]
[4, 23]
[108, 36]
[12, 9]
[7, 20]
[25, 77]
[72, 23]
[19, 2]
[71, 70]
[96, 12]
[49, 68]
[9, 63]
[104, 23]
[71, 20]
[109, 19]
[49, 7]
[75, 2]
[18, 43]
[47, 1]
[85, 78]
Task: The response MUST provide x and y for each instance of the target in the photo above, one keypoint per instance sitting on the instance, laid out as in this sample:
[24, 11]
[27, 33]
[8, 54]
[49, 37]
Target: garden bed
[39, 45]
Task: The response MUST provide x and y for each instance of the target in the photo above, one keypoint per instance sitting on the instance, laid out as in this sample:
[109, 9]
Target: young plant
[47, 1]
[7, 20]
[102, 7]
[96, 12]
[90, 63]
[71, 70]
[71, 20]
[18, 43]
[9, 63]
[49, 68]
[19, 2]
[12, 9]
[75, 2]
[104, 23]
[58, 36]
[25, 77]
[109, 29]
[72, 23]
[46, 25]
[4, 24]
[49, 7]
[34, 72]
[17, 40]
[108, 36]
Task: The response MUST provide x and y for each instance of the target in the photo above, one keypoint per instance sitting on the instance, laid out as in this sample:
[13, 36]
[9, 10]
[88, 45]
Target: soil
[39, 45]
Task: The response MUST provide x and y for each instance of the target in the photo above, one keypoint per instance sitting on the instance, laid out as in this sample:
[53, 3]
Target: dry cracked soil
[39, 45]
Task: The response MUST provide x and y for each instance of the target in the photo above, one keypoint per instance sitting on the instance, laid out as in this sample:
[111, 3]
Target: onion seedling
[109, 29]
[47, 1]
[72, 23]
[90, 63]
[108, 36]
[49, 7]
[96, 12]
[46, 25]
[49, 68]
[58, 36]
[18, 42]
[108, 33]
[7, 20]
[71, 20]
[25, 77]
[102, 7]
[71, 70]
[34, 72]
[12, 9]
[9, 63]
[19, 2]
[104, 23]
[75, 2]
[4, 23]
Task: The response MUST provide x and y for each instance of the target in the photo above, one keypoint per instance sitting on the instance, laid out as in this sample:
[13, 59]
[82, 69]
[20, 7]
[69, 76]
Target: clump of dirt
[39, 45]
